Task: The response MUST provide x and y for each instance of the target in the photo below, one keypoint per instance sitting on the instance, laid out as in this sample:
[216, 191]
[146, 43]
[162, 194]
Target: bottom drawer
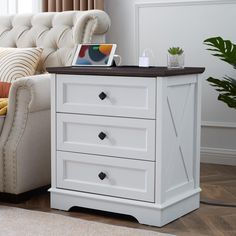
[118, 177]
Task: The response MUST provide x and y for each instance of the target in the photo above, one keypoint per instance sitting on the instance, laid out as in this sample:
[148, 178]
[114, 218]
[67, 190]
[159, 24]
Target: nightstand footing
[146, 213]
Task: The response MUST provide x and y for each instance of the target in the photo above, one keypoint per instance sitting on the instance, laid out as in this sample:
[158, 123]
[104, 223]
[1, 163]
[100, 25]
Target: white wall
[140, 24]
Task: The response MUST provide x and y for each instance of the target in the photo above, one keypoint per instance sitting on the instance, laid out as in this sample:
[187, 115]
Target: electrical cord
[217, 203]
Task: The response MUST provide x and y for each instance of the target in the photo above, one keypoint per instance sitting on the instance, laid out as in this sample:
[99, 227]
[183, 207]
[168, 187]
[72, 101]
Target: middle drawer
[123, 137]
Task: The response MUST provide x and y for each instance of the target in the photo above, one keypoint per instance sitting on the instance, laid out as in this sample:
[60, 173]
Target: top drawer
[104, 95]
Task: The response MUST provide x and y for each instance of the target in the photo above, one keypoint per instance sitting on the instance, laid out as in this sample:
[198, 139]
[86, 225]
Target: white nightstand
[126, 140]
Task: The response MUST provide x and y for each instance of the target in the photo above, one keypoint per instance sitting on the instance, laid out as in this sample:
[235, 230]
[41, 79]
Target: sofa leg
[22, 197]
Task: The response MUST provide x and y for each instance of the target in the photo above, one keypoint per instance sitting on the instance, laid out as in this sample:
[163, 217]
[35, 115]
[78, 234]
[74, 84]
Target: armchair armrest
[25, 131]
[38, 87]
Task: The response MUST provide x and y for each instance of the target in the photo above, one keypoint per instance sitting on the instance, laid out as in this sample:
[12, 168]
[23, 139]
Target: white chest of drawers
[126, 140]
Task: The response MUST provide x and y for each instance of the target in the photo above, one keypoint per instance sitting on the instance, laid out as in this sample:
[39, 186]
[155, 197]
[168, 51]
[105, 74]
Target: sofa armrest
[89, 23]
[38, 87]
[27, 95]
[25, 131]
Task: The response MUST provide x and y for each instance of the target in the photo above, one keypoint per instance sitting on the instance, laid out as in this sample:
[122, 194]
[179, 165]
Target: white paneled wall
[140, 24]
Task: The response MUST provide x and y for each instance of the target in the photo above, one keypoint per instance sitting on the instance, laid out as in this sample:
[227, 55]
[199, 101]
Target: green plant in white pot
[175, 59]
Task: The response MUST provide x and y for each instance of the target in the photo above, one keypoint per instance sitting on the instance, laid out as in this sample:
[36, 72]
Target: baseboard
[218, 156]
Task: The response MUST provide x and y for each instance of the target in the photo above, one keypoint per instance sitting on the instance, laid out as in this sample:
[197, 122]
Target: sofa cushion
[18, 62]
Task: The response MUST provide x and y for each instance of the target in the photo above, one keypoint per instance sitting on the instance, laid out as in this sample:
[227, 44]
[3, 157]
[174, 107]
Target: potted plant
[226, 51]
[175, 59]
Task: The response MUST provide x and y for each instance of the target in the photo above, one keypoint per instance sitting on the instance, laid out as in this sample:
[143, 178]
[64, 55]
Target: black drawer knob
[102, 135]
[102, 175]
[102, 95]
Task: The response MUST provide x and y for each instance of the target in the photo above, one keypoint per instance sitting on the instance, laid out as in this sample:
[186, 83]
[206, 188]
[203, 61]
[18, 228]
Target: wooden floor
[218, 184]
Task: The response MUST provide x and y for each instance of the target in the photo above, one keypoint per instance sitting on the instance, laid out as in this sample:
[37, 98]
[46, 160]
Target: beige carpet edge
[18, 221]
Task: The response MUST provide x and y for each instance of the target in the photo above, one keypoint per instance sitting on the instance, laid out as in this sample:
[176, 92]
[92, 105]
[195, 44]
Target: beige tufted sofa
[25, 131]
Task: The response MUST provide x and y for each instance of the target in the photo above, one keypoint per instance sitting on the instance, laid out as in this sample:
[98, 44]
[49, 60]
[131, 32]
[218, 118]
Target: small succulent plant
[175, 51]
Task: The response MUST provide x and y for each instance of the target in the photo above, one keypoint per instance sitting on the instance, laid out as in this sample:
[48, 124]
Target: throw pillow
[4, 89]
[18, 62]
